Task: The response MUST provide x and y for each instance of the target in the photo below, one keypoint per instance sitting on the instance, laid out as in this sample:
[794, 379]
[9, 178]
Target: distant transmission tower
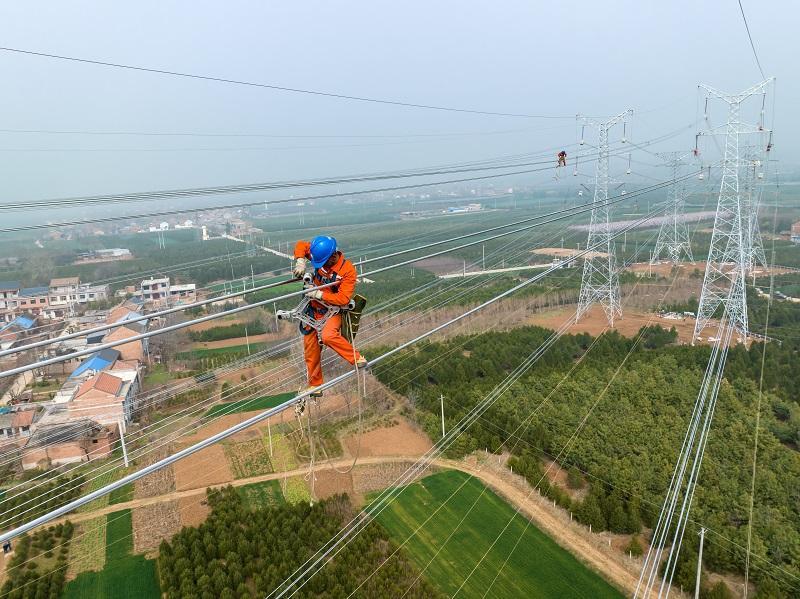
[673, 236]
[728, 256]
[600, 282]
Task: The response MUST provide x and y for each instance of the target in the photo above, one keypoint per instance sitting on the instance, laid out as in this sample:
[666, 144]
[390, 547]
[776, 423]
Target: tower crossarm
[712, 92]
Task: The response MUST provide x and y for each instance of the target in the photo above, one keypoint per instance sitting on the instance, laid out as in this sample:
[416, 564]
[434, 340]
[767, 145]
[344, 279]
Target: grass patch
[326, 444]
[249, 405]
[196, 354]
[262, 495]
[537, 568]
[133, 577]
[296, 490]
[88, 547]
[121, 495]
[125, 576]
[248, 458]
[157, 374]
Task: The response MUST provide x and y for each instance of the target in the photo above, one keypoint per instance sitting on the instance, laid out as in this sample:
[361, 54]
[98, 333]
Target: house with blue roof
[12, 332]
[97, 362]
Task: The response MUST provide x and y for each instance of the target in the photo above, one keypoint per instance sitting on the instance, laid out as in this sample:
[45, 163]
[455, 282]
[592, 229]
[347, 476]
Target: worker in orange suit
[330, 266]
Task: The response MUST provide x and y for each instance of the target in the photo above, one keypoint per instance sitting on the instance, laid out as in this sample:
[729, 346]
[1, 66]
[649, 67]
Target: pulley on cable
[696, 149]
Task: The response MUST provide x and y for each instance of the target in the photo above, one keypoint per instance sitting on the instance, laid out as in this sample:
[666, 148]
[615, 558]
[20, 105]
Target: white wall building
[62, 291]
[155, 290]
[182, 294]
[160, 292]
[90, 293]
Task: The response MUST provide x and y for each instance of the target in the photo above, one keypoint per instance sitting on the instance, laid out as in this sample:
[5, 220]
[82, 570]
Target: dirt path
[234, 341]
[590, 549]
[594, 322]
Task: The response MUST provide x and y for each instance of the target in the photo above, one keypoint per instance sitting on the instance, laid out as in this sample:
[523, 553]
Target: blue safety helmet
[322, 248]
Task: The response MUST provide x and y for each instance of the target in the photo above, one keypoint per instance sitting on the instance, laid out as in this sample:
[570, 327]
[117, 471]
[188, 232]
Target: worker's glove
[315, 294]
[299, 268]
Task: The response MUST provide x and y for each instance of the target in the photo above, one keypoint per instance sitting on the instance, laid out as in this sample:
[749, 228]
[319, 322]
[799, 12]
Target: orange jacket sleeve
[302, 249]
[346, 287]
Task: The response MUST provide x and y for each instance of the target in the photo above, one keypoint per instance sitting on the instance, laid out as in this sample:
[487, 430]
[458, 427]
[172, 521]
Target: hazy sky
[551, 58]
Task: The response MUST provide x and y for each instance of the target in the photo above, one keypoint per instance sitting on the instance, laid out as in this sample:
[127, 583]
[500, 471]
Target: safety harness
[313, 314]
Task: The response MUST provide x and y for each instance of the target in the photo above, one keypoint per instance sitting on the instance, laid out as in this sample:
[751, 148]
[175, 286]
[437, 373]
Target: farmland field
[296, 490]
[125, 576]
[283, 457]
[261, 495]
[95, 483]
[119, 535]
[249, 405]
[537, 568]
[248, 458]
[88, 547]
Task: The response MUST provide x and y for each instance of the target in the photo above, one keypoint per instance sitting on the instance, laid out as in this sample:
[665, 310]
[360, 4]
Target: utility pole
[600, 281]
[247, 340]
[728, 256]
[269, 433]
[673, 236]
[122, 442]
[252, 276]
[441, 400]
[699, 563]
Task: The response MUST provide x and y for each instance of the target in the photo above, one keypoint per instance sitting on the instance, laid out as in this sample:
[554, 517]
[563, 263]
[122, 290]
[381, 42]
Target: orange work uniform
[337, 295]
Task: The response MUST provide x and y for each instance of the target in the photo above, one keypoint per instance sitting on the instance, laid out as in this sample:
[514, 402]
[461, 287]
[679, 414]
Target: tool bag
[351, 318]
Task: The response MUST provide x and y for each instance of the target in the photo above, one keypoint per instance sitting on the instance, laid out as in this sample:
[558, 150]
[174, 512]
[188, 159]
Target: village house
[134, 350]
[9, 290]
[16, 330]
[61, 290]
[85, 294]
[182, 294]
[106, 398]
[160, 292]
[15, 425]
[239, 228]
[33, 300]
[155, 291]
[59, 441]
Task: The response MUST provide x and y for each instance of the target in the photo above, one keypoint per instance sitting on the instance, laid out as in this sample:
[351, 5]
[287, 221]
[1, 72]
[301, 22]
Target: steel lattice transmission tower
[673, 236]
[600, 282]
[728, 256]
[752, 201]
